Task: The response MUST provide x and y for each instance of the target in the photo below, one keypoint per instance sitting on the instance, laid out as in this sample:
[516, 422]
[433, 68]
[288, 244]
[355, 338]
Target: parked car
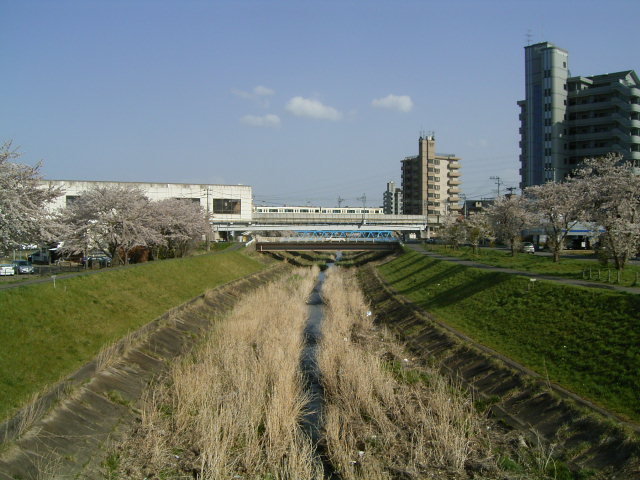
[97, 260]
[23, 266]
[7, 269]
[528, 247]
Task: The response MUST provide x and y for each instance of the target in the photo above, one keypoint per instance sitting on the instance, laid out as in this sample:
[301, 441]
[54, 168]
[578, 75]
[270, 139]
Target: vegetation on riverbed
[584, 339]
[232, 408]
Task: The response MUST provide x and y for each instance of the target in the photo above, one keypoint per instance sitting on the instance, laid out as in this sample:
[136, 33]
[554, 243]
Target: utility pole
[511, 190]
[363, 199]
[208, 235]
[498, 182]
[340, 200]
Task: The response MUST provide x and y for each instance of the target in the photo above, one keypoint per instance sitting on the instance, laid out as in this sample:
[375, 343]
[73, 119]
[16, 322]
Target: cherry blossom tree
[559, 207]
[452, 231]
[478, 228]
[111, 218]
[24, 218]
[508, 217]
[612, 198]
[181, 223]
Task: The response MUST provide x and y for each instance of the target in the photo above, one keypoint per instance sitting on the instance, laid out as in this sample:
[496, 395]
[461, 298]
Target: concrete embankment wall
[519, 398]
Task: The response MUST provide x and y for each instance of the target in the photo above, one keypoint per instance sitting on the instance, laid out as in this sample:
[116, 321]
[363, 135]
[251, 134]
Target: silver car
[23, 266]
[528, 247]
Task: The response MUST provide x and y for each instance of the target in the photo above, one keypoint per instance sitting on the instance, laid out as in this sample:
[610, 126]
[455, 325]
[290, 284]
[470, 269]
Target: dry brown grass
[231, 410]
[382, 420]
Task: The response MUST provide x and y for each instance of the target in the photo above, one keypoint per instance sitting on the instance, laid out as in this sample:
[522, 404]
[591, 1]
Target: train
[325, 210]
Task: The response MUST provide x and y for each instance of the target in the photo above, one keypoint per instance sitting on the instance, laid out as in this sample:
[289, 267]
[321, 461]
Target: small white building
[225, 203]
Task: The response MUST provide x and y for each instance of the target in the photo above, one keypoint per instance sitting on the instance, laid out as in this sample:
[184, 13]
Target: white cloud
[306, 107]
[402, 103]
[259, 95]
[269, 120]
[242, 94]
[262, 91]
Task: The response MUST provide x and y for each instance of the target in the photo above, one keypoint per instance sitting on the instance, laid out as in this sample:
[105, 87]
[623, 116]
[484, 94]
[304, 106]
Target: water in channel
[312, 419]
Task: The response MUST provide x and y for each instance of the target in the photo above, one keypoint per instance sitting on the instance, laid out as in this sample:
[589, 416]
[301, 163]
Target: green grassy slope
[49, 332]
[585, 339]
[576, 268]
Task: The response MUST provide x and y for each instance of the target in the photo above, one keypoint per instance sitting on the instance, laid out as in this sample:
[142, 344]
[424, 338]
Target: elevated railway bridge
[327, 231]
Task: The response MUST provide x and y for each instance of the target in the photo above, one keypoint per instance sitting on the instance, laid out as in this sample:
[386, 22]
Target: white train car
[326, 210]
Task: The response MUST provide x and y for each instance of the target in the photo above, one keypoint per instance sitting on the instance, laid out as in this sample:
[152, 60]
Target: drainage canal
[312, 419]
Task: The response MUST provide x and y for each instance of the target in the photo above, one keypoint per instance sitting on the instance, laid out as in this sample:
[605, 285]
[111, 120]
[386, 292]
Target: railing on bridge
[330, 240]
[345, 235]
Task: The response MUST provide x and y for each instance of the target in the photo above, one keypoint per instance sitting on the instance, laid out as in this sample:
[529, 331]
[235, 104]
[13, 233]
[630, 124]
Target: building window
[71, 199]
[226, 206]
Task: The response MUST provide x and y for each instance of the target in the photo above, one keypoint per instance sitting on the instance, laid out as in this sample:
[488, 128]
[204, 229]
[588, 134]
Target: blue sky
[303, 100]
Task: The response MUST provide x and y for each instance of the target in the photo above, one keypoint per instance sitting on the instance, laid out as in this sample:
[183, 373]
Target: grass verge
[575, 268]
[48, 332]
[584, 339]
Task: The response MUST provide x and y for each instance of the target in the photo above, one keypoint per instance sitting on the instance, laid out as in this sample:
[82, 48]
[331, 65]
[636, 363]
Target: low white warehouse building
[225, 203]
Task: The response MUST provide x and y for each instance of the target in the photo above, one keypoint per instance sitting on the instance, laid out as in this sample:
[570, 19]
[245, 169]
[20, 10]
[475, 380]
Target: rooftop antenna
[363, 199]
[528, 36]
[340, 200]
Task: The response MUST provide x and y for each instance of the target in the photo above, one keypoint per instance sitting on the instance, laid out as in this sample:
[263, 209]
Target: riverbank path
[567, 281]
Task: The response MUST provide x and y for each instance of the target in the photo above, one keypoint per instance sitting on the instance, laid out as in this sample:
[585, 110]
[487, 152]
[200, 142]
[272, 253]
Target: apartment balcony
[591, 121]
[454, 198]
[455, 206]
[454, 165]
[605, 89]
[453, 190]
[454, 173]
[453, 181]
[593, 151]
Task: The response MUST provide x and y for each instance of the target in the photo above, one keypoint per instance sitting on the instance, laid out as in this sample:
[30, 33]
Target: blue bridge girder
[347, 234]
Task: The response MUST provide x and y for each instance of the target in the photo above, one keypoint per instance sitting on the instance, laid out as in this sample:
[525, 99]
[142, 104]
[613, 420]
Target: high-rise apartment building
[392, 199]
[430, 181]
[565, 119]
